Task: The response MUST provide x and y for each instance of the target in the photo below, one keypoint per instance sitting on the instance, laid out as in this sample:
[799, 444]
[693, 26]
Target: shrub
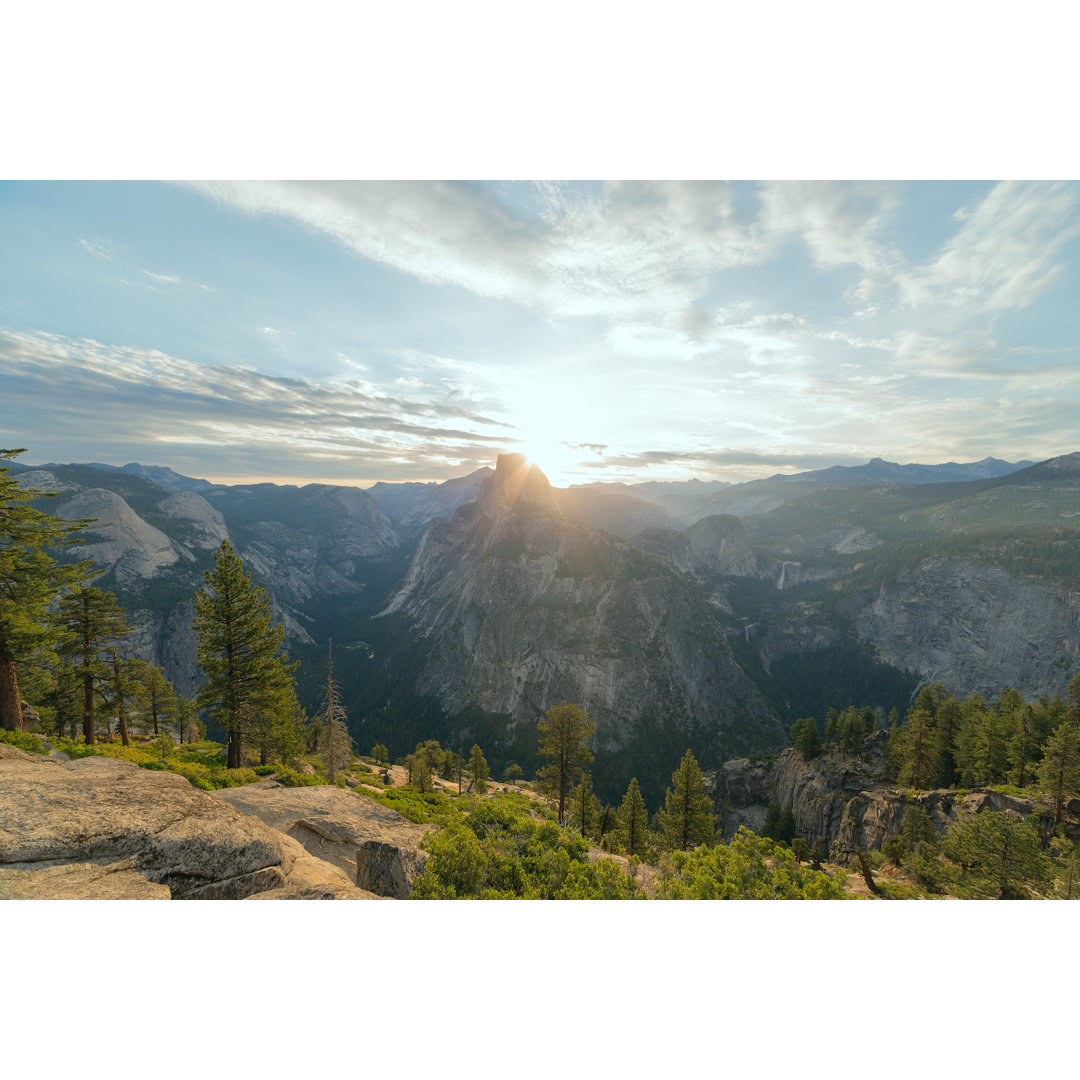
[75, 750]
[126, 753]
[264, 770]
[239, 777]
[154, 766]
[24, 741]
[291, 778]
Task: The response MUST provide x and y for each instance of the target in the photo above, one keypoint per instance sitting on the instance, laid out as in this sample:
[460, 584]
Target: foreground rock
[375, 846]
[99, 828]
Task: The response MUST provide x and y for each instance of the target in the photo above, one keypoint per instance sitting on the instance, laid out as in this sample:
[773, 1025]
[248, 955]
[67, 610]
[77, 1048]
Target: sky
[356, 331]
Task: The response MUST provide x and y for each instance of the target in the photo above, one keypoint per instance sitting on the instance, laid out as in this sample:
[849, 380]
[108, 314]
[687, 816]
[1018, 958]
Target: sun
[556, 460]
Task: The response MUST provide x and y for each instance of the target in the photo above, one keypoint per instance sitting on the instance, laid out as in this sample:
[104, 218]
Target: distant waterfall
[783, 574]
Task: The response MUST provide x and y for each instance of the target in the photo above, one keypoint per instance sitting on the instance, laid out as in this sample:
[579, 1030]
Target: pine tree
[805, 738]
[1017, 721]
[122, 691]
[1001, 856]
[914, 748]
[93, 621]
[158, 701]
[238, 652]
[633, 827]
[687, 818]
[564, 733]
[478, 770]
[981, 749]
[583, 806]
[1059, 770]
[337, 746]
[946, 727]
[30, 580]
[419, 769]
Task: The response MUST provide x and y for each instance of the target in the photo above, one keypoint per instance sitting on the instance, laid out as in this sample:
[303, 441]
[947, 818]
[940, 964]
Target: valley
[464, 613]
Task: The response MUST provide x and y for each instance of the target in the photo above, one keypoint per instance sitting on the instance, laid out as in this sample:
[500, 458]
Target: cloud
[1005, 253]
[97, 248]
[109, 396]
[623, 248]
[165, 279]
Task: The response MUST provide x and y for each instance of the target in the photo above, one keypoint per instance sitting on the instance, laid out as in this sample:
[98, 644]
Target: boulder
[386, 869]
[331, 823]
[97, 827]
[81, 881]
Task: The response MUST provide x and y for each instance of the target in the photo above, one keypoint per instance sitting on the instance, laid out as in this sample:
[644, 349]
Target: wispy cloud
[165, 279]
[98, 248]
[1005, 253]
[628, 247]
[132, 397]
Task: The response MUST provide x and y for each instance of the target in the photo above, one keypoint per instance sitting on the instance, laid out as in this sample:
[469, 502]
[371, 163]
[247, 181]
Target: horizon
[356, 332]
[303, 482]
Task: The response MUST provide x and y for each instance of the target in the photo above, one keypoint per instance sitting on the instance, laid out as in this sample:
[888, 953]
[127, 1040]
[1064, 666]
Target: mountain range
[692, 614]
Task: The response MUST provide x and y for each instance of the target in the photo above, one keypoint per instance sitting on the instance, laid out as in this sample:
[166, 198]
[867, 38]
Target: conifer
[93, 620]
[30, 580]
[687, 818]
[633, 827]
[238, 651]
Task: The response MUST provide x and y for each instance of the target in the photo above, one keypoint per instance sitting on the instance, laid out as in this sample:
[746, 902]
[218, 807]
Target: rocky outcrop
[520, 610]
[100, 828]
[974, 627]
[386, 869]
[843, 805]
[333, 825]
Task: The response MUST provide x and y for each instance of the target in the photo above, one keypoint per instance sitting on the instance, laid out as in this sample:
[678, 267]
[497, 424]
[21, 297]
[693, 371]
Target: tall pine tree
[238, 652]
[30, 580]
[687, 818]
[565, 732]
[93, 621]
[633, 828]
[1059, 770]
[336, 744]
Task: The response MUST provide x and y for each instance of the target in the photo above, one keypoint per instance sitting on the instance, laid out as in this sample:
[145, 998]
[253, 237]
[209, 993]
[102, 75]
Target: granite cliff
[520, 609]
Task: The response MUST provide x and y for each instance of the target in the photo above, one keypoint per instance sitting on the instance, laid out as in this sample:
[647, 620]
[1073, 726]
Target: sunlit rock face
[119, 538]
[523, 610]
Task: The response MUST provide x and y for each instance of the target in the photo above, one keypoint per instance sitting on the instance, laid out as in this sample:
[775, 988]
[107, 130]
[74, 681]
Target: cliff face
[715, 545]
[843, 805]
[973, 626]
[523, 609]
[305, 546]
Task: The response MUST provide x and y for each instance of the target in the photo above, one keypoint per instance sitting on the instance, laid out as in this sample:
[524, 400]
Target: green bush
[24, 741]
[239, 777]
[154, 766]
[288, 777]
[127, 753]
[264, 770]
[75, 750]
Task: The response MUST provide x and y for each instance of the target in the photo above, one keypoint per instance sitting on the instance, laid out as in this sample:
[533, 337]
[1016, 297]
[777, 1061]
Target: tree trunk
[120, 710]
[234, 749]
[864, 866]
[10, 706]
[88, 708]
